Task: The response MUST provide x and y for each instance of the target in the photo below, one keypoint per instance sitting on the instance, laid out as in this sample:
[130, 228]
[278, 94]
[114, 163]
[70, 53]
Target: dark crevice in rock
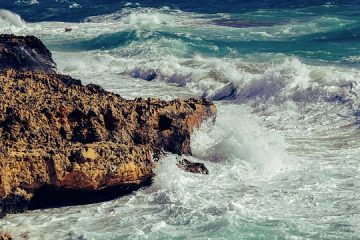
[50, 196]
[76, 116]
[164, 123]
[13, 204]
[109, 120]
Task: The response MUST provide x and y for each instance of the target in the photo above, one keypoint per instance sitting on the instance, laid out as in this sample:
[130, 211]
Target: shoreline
[77, 142]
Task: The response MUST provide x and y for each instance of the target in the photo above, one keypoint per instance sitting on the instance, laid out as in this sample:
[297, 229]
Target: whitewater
[284, 151]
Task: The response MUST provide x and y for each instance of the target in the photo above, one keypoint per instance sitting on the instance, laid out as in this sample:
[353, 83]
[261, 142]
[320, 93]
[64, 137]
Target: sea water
[284, 152]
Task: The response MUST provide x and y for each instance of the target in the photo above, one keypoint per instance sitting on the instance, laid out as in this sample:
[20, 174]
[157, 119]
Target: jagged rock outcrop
[65, 143]
[25, 53]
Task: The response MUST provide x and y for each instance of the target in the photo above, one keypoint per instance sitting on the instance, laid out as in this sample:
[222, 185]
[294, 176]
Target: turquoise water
[283, 154]
[316, 30]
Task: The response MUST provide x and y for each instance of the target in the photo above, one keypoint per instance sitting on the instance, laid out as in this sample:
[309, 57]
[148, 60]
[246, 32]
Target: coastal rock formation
[65, 143]
[25, 53]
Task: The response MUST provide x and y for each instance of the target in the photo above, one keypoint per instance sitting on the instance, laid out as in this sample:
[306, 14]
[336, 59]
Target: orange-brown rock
[65, 143]
[5, 236]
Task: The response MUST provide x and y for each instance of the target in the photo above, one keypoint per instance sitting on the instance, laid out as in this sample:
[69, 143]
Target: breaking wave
[283, 151]
[9, 20]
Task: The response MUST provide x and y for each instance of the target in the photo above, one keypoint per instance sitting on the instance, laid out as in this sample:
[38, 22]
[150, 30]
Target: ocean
[284, 152]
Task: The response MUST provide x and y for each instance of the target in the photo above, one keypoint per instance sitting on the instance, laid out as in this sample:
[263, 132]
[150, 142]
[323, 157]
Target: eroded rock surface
[5, 236]
[65, 143]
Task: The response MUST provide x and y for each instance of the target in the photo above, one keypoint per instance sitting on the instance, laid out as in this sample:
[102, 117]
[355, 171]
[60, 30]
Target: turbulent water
[284, 153]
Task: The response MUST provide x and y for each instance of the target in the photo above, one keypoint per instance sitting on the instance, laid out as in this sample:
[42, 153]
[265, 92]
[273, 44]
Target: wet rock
[192, 167]
[77, 143]
[147, 75]
[25, 53]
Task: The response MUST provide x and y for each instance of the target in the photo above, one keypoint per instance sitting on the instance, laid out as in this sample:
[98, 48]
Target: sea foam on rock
[63, 143]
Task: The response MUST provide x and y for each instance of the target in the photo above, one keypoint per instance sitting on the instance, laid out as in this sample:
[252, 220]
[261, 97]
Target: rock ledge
[64, 143]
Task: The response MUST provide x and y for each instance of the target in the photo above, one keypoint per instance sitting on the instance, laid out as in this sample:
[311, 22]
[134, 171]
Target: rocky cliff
[65, 143]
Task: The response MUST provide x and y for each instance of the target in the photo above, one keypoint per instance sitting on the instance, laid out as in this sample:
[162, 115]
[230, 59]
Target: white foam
[149, 17]
[74, 5]
[239, 139]
[10, 20]
[32, 2]
[283, 148]
[284, 80]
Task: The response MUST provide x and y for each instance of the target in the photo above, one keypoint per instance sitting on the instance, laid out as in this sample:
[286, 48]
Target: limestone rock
[65, 143]
[5, 236]
[83, 155]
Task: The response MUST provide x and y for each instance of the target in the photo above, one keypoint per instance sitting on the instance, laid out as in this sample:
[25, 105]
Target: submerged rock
[64, 143]
[147, 75]
[192, 167]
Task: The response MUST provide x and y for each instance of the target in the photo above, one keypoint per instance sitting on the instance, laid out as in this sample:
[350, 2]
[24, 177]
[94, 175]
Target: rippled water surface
[284, 151]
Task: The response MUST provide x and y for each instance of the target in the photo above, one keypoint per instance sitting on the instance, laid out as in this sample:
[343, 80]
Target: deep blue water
[58, 10]
[323, 31]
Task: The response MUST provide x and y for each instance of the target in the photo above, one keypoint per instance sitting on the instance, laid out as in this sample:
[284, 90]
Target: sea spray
[283, 154]
[9, 21]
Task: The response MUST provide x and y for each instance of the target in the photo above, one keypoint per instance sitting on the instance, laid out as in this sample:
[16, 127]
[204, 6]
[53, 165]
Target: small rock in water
[192, 167]
[68, 29]
[147, 75]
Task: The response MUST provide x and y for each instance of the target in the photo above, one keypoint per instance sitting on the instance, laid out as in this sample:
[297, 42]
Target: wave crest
[9, 19]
